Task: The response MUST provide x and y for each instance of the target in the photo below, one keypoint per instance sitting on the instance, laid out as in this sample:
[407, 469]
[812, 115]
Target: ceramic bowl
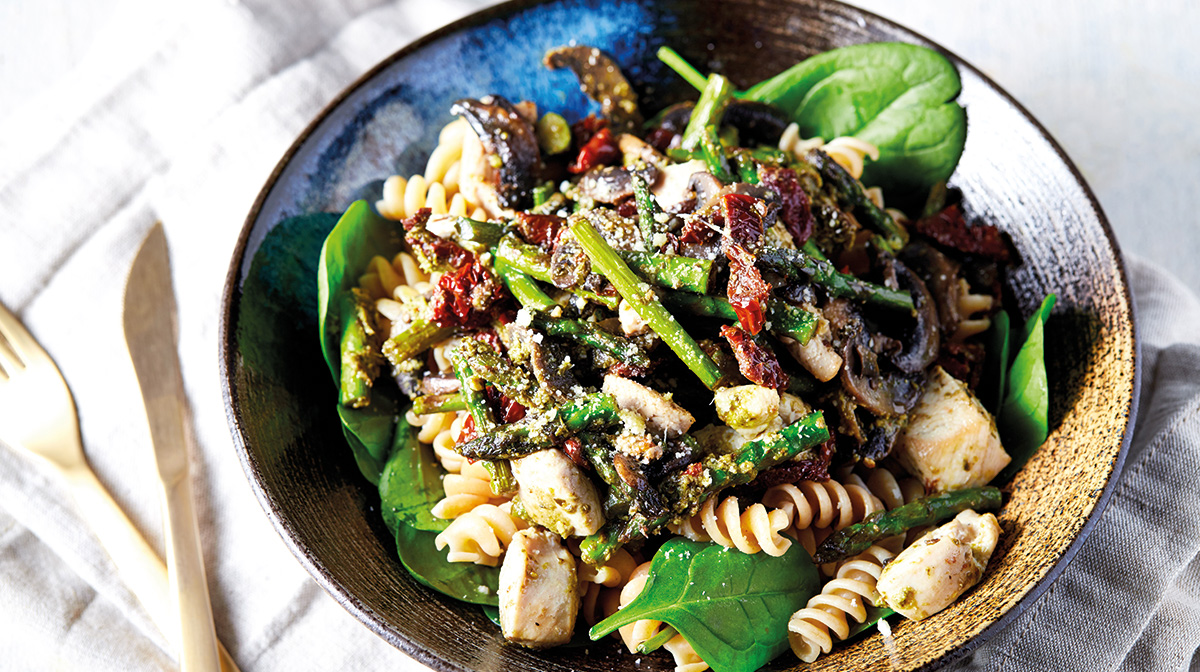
[280, 400]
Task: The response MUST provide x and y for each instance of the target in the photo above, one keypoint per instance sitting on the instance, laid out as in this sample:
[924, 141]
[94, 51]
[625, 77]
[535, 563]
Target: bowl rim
[231, 298]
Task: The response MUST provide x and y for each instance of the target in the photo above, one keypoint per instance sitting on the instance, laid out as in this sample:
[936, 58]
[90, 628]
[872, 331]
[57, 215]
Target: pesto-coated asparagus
[417, 338]
[685, 491]
[645, 302]
[534, 262]
[701, 131]
[784, 318]
[543, 430]
[648, 210]
[500, 472]
[359, 354]
[589, 334]
[850, 194]
[927, 511]
[796, 265]
[438, 403]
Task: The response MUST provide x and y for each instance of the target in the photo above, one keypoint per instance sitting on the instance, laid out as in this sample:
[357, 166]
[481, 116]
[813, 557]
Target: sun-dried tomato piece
[502, 407]
[601, 150]
[949, 228]
[742, 219]
[794, 207]
[468, 297]
[469, 430]
[627, 370]
[573, 448]
[697, 230]
[757, 364]
[584, 129]
[627, 207]
[815, 468]
[661, 138]
[964, 361]
[747, 291]
[490, 337]
[539, 229]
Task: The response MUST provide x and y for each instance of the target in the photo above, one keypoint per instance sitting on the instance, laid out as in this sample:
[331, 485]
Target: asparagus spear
[438, 403]
[499, 471]
[784, 318]
[532, 261]
[850, 194]
[796, 265]
[686, 491]
[532, 298]
[859, 537]
[417, 338]
[643, 299]
[647, 209]
[701, 132]
[591, 412]
[359, 353]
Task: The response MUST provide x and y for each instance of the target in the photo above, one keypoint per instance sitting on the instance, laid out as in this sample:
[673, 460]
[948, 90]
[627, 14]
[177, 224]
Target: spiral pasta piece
[750, 531]
[465, 491]
[848, 151]
[480, 535]
[438, 188]
[969, 305]
[823, 504]
[811, 630]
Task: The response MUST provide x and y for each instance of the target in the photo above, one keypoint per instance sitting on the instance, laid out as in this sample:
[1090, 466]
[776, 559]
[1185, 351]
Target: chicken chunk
[750, 409]
[816, 355]
[538, 590]
[556, 494]
[662, 415]
[951, 441]
[671, 189]
[931, 573]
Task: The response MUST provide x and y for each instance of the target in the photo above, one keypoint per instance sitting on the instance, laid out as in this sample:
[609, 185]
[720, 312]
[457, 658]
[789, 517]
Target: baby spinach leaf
[410, 483]
[1023, 419]
[466, 581]
[874, 615]
[492, 613]
[995, 367]
[733, 608]
[899, 97]
[359, 235]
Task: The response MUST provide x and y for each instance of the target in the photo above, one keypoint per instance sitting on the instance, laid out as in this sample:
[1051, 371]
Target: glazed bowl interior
[280, 398]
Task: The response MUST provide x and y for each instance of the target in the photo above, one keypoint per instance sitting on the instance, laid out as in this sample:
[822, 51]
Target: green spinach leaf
[995, 367]
[466, 581]
[733, 608]
[1023, 420]
[359, 235]
[410, 483]
[899, 97]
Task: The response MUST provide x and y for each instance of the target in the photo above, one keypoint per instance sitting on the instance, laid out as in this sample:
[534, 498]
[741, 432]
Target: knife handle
[137, 564]
[189, 589]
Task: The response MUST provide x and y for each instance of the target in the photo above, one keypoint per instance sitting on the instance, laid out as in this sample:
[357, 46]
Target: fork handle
[137, 564]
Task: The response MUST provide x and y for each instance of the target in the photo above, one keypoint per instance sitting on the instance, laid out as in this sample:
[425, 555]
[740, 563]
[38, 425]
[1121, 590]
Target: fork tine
[19, 341]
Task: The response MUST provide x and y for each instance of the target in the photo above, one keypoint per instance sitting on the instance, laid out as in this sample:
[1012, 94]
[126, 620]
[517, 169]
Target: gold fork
[37, 415]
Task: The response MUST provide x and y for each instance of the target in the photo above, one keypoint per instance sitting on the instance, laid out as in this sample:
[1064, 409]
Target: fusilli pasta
[822, 504]
[811, 630]
[750, 531]
[480, 535]
[686, 659]
[438, 188]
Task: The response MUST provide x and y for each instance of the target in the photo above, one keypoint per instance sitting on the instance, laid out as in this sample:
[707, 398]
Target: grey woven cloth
[183, 124]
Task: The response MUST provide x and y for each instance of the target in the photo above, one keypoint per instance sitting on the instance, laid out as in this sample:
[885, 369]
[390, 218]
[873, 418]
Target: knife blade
[151, 333]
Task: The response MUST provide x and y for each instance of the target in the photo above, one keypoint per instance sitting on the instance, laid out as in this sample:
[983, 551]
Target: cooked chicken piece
[538, 590]
[816, 355]
[931, 573]
[556, 494]
[951, 440]
[792, 408]
[749, 409]
[662, 414]
[671, 189]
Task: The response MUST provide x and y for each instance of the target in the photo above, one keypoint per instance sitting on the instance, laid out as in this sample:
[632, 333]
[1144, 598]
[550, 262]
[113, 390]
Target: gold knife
[151, 334]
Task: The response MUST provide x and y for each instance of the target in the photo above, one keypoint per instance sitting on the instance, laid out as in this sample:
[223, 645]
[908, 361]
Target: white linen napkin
[183, 125]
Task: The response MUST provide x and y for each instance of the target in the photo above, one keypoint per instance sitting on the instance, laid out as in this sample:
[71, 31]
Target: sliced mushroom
[921, 342]
[890, 393]
[601, 79]
[609, 184]
[505, 133]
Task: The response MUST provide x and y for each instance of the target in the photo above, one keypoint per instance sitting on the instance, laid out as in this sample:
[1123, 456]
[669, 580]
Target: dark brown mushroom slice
[675, 118]
[921, 341]
[941, 275]
[882, 393]
[602, 80]
[512, 139]
[609, 184]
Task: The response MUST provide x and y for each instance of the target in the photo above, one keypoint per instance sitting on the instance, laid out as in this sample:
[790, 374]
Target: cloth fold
[184, 126]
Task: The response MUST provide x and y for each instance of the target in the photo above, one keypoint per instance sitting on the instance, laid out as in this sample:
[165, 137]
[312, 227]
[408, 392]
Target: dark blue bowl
[280, 400]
